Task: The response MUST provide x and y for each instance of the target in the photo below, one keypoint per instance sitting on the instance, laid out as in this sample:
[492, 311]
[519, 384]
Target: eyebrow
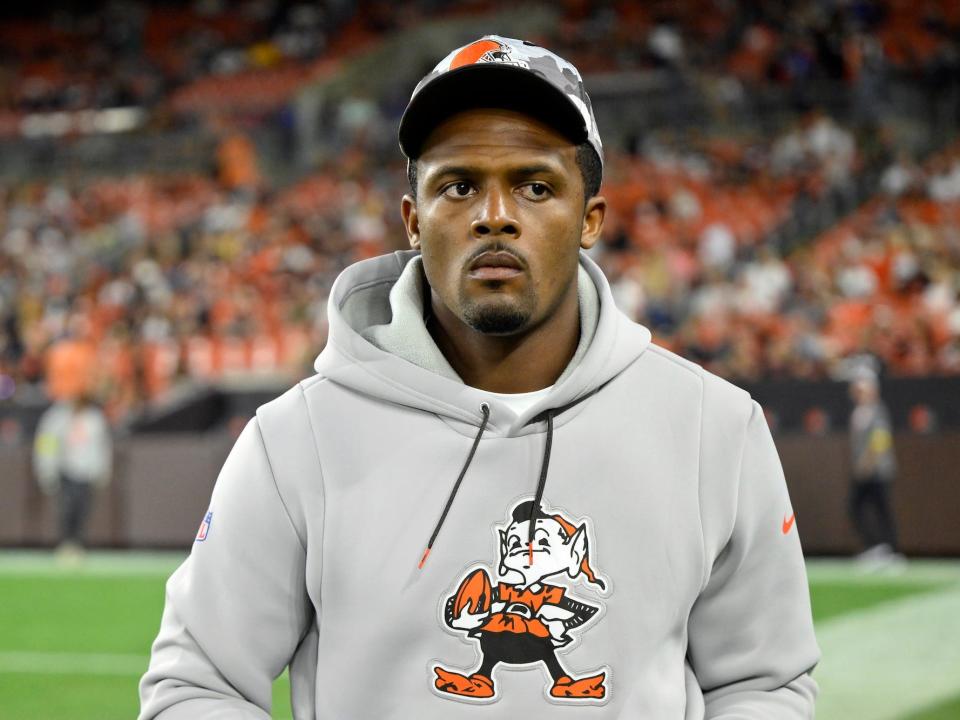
[528, 170]
[445, 170]
[522, 171]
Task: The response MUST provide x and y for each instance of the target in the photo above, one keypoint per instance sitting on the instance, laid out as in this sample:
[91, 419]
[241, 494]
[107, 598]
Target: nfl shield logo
[204, 527]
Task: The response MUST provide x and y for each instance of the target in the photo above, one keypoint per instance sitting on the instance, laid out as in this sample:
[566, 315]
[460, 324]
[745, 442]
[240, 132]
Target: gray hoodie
[626, 545]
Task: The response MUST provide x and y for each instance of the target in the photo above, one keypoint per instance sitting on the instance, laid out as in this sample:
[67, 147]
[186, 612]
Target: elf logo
[527, 609]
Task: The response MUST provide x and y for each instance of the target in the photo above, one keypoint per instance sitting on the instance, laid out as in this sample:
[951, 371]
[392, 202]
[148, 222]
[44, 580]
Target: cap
[501, 72]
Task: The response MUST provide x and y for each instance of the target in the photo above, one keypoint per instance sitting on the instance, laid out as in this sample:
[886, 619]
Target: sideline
[55, 663]
[849, 572]
[94, 563]
[890, 660]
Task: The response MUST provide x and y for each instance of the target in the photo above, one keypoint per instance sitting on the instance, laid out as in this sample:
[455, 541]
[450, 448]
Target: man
[874, 469]
[72, 455]
[482, 410]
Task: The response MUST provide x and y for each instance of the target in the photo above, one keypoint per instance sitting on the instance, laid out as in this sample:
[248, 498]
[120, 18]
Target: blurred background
[181, 182]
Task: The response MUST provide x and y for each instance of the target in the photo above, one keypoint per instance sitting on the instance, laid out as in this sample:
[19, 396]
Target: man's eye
[458, 189]
[535, 191]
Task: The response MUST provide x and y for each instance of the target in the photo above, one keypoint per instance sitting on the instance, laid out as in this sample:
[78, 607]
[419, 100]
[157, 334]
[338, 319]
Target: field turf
[74, 642]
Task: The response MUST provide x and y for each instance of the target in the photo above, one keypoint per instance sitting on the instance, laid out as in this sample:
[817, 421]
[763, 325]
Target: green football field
[74, 642]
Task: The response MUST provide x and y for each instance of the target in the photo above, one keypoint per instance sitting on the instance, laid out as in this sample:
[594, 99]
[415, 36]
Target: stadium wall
[163, 484]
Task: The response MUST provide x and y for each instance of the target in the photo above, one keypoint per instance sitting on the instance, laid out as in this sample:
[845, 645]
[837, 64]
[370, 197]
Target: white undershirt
[520, 402]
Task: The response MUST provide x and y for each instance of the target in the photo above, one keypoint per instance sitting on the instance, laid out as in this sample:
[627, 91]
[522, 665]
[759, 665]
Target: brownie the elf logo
[533, 615]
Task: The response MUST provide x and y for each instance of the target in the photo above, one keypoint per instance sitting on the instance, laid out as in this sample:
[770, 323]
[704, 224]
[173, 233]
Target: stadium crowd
[177, 276]
[883, 280]
[188, 276]
[144, 282]
[148, 54]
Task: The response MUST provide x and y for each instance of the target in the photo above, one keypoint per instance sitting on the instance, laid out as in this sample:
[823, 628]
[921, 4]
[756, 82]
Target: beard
[498, 315]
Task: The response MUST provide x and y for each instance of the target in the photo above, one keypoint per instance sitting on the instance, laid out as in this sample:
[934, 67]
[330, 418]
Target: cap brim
[487, 85]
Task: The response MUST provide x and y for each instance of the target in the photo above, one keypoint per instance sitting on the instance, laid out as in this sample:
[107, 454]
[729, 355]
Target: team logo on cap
[486, 51]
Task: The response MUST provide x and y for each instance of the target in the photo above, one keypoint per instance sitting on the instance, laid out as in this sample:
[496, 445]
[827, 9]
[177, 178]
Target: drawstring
[541, 483]
[485, 409]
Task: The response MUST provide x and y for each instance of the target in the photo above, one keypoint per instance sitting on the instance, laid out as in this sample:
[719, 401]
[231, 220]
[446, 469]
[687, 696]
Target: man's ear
[411, 223]
[593, 215]
[578, 550]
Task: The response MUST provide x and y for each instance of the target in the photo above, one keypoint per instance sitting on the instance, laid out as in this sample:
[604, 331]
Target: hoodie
[413, 548]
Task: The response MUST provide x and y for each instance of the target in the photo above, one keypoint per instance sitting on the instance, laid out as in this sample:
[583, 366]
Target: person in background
[874, 469]
[72, 455]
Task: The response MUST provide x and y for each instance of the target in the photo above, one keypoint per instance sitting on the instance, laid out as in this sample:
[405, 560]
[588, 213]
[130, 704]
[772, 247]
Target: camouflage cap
[501, 72]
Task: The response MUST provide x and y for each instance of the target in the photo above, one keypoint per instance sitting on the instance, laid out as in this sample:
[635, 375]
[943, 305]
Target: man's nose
[496, 216]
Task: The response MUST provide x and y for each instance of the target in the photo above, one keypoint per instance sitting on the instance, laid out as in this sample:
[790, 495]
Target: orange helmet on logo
[473, 52]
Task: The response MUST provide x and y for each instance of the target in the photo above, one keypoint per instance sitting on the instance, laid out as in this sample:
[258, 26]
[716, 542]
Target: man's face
[499, 218]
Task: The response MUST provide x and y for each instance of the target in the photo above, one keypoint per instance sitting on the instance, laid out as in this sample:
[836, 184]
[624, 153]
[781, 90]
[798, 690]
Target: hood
[360, 301]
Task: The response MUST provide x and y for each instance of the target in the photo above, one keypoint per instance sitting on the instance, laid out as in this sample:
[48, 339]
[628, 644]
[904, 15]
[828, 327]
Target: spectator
[73, 455]
[874, 469]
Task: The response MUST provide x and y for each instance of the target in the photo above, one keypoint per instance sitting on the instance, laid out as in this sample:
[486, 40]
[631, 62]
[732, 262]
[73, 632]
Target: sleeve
[237, 608]
[751, 638]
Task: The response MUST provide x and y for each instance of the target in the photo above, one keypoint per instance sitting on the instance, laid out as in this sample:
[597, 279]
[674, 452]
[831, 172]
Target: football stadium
[183, 181]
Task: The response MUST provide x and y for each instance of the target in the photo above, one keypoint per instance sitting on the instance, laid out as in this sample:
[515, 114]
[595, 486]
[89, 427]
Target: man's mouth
[495, 266]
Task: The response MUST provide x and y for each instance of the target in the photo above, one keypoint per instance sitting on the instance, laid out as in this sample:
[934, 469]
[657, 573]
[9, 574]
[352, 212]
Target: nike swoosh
[788, 523]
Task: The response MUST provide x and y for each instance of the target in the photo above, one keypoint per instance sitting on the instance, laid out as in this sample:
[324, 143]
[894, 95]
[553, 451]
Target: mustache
[497, 247]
